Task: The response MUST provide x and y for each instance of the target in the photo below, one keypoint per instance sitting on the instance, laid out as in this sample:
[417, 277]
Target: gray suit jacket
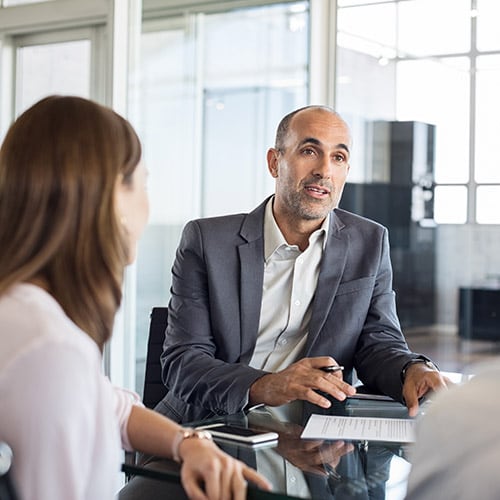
[214, 310]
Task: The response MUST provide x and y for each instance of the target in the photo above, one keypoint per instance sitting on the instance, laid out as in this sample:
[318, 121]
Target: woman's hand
[207, 473]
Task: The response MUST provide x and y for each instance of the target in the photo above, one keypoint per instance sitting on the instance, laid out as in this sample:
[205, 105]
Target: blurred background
[205, 84]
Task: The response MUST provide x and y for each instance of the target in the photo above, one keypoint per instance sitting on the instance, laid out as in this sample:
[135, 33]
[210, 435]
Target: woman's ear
[120, 200]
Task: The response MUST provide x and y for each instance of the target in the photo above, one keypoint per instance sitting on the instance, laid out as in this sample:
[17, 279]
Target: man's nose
[323, 168]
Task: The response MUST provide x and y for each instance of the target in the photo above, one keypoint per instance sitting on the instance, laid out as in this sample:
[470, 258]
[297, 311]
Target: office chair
[7, 490]
[154, 390]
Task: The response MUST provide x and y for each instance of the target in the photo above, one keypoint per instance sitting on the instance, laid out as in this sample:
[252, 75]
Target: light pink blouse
[64, 420]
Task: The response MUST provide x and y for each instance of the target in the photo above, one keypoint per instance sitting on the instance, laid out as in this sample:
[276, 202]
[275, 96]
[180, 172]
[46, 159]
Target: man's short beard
[297, 207]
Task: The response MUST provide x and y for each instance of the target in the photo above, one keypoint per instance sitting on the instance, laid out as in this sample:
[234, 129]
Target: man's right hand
[301, 381]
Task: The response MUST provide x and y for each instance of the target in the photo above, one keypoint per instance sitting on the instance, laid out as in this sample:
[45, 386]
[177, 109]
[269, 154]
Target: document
[398, 430]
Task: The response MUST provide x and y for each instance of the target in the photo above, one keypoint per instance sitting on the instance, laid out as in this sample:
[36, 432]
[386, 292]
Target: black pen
[332, 368]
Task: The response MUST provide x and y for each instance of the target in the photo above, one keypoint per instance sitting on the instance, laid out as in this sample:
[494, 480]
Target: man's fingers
[411, 400]
[302, 380]
[334, 386]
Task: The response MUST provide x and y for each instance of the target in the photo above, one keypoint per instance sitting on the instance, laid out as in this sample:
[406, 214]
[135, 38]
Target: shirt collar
[273, 237]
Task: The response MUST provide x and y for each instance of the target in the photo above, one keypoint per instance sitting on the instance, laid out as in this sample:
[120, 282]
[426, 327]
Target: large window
[436, 64]
[211, 89]
[449, 81]
[50, 48]
[45, 66]
[208, 85]
[211, 82]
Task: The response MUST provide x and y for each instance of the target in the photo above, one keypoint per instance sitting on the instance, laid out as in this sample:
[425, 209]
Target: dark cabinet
[402, 200]
[479, 313]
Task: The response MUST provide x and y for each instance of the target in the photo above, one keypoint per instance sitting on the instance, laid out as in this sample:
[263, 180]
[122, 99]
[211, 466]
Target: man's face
[312, 168]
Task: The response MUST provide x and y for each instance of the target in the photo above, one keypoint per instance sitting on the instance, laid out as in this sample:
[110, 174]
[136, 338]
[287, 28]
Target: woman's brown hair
[59, 166]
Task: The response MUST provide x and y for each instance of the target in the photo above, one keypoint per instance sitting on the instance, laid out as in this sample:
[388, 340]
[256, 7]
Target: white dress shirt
[290, 278]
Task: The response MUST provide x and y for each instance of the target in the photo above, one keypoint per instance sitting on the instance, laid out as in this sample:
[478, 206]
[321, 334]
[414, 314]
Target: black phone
[240, 434]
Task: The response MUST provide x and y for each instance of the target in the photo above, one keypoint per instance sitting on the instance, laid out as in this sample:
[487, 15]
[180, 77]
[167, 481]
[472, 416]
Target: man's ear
[272, 161]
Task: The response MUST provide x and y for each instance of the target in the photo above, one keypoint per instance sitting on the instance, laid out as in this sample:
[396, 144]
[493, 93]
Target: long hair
[60, 164]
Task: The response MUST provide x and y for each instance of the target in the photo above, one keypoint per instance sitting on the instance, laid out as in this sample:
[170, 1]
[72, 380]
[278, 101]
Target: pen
[331, 369]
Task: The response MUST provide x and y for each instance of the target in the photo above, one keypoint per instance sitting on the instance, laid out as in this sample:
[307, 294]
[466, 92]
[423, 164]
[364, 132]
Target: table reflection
[305, 469]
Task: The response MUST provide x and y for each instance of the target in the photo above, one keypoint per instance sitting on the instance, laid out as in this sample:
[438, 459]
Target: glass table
[297, 468]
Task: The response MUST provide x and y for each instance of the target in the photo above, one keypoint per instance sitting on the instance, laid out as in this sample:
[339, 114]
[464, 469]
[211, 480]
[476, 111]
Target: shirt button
[297, 302]
[300, 260]
[283, 341]
[293, 479]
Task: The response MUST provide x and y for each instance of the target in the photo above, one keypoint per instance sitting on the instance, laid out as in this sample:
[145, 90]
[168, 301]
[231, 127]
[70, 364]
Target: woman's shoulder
[31, 319]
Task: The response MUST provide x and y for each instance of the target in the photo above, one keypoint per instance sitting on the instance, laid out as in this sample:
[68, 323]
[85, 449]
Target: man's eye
[308, 151]
[339, 158]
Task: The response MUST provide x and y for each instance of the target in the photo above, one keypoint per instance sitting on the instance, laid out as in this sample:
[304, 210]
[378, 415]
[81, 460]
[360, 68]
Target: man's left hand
[419, 380]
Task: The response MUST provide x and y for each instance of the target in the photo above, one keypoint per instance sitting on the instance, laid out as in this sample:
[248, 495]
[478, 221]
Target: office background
[205, 84]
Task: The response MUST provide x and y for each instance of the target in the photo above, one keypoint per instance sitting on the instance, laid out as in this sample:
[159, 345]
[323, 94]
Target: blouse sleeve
[124, 400]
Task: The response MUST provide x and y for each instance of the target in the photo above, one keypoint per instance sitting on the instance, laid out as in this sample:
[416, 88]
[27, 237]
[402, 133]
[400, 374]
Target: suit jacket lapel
[330, 275]
[251, 279]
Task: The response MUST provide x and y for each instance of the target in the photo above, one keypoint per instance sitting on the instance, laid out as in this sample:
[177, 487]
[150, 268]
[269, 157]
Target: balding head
[284, 125]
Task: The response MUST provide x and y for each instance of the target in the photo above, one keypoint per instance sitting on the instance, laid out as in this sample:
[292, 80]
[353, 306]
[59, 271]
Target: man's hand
[311, 456]
[301, 381]
[419, 380]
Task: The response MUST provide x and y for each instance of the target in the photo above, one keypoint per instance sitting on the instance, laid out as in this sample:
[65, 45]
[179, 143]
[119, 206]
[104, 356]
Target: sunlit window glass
[436, 91]
[211, 89]
[54, 68]
[428, 27]
[165, 121]
[167, 90]
[450, 204]
[488, 17]
[488, 205]
[347, 3]
[249, 84]
[487, 167]
[358, 32]
[267, 47]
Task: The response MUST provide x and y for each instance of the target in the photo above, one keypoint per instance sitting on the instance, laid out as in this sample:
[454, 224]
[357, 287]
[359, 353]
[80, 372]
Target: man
[263, 302]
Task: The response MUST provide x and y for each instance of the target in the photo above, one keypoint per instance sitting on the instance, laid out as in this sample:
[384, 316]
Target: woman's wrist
[183, 434]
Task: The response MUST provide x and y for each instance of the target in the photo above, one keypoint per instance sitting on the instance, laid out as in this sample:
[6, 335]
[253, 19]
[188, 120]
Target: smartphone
[239, 434]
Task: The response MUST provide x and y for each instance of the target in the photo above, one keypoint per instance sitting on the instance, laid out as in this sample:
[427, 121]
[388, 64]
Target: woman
[73, 204]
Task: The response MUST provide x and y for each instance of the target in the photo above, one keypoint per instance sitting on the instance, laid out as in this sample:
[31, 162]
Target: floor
[450, 352]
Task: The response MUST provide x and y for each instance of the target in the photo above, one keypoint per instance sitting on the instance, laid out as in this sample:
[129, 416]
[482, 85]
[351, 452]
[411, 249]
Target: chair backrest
[154, 390]
[7, 490]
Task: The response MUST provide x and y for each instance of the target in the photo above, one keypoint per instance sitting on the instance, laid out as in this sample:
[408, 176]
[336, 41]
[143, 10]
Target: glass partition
[407, 64]
[212, 88]
[51, 68]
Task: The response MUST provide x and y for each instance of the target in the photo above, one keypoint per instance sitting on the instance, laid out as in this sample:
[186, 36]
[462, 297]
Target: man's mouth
[317, 190]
